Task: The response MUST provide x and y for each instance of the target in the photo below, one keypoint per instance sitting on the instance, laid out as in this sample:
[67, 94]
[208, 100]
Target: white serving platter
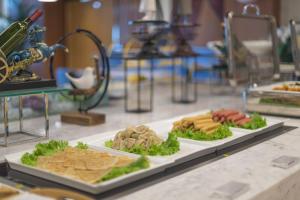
[215, 145]
[163, 127]
[253, 105]
[187, 151]
[190, 149]
[14, 161]
[238, 134]
[268, 89]
[272, 124]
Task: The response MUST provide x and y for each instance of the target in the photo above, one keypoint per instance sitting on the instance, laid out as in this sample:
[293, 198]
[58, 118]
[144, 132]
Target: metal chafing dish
[252, 47]
[295, 36]
[265, 99]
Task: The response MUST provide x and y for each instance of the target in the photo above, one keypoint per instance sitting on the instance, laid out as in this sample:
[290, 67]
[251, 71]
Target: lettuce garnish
[257, 121]
[139, 164]
[43, 149]
[47, 149]
[221, 133]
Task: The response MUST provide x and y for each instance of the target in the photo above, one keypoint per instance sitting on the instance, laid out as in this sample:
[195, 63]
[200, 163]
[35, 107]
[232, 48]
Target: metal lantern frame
[139, 108]
[184, 51]
[186, 95]
[149, 52]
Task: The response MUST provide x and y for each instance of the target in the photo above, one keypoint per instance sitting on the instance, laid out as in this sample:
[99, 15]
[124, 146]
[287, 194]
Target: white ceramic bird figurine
[86, 81]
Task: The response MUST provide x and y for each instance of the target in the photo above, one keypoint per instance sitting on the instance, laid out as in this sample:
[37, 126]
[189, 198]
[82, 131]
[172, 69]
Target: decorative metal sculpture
[15, 67]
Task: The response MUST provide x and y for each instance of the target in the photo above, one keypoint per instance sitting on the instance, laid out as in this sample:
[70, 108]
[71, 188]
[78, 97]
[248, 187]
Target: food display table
[250, 171]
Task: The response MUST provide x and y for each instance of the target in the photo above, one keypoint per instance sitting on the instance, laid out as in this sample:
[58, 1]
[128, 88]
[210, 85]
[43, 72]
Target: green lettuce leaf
[43, 149]
[47, 149]
[257, 121]
[81, 145]
[139, 164]
[221, 133]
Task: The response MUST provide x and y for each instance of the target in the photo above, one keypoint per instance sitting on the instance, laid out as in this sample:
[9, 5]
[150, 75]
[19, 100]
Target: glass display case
[276, 99]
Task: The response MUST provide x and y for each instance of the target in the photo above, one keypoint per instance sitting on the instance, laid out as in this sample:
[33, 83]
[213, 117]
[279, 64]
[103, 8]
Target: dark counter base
[7, 86]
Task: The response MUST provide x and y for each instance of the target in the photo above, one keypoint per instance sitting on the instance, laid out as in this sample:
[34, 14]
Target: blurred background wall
[110, 22]
[289, 10]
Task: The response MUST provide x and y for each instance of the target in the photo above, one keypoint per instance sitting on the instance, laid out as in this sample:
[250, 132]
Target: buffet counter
[253, 173]
[249, 174]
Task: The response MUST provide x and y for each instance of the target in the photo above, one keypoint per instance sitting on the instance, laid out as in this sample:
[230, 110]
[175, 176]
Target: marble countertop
[251, 169]
[248, 174]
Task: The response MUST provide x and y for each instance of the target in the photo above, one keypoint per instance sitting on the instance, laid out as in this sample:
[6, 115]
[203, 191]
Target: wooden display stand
[83, 118]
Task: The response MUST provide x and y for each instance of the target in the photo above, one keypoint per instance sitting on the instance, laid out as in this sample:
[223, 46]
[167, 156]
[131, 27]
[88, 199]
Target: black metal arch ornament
[105, 73]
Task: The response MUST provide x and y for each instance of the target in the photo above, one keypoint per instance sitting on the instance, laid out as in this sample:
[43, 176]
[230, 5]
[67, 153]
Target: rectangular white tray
[187, 151]
[268, 89]
[281, 110]
[155, 167]
[238, 134]
[272, 124]
[190, 149]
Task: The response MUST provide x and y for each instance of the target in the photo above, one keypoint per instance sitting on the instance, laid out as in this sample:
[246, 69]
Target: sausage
[215, 118]
[216, 114]
[229, 113]
[243, 121]
[235, 118]
[225, 113]
[219, 113]
[222, 120]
